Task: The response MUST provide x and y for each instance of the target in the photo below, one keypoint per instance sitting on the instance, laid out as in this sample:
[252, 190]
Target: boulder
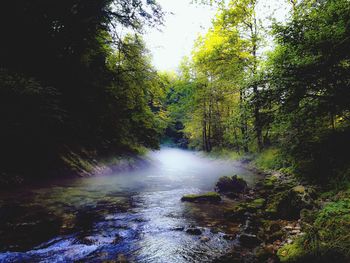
[206, 197]
[194, 231]
[249, 241]
[237, 213]
[231, 184]
[229, 237]
[205, 239]
[288, 204]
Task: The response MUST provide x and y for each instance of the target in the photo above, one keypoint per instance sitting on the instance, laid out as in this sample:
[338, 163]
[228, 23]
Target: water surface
[135, 215]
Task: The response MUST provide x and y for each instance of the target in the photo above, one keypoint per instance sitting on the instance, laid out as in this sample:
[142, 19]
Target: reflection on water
[136, 214]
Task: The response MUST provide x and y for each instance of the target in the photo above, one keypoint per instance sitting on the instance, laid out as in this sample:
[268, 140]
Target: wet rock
[262, 255]
[204, 239]
[295, 232]
[231, 184]
[121, 259]
[180, 228]
[88, 240]
[270, 249]
[229, 237]
[274, 227]
[237, 213]
[233, 257]
[288, 204]
[117, 239]
[270, 182]
[249, 241]
[23, 227]
[255, 204]
[194, 231]
[275, 236]
[211, 197]
[252, 225]
[214, 230]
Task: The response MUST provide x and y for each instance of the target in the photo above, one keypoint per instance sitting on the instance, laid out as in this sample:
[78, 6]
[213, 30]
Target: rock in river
[206, 197]
[249, 241]
[194, 231]
[231, 184]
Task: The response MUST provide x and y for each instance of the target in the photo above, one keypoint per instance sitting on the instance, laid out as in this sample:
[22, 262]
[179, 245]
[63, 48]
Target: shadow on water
[133, 214]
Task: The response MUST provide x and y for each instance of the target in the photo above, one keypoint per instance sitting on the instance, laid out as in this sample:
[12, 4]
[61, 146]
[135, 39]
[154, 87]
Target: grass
[272, 159]
[226, 154]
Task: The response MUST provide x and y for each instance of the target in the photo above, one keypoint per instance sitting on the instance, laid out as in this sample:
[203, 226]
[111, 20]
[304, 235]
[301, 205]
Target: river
[135, 215]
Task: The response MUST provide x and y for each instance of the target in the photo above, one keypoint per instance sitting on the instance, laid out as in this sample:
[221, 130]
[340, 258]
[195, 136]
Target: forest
[77, 85]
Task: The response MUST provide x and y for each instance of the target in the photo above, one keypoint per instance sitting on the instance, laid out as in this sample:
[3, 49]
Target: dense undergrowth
[325, 226]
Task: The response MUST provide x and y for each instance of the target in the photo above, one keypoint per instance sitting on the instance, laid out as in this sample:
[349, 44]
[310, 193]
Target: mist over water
[133, 214]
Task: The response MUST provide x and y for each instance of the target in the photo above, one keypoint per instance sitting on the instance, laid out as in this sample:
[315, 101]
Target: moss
[330, 231]
[257, 203]
[77, 163]
[270, 182]
[299, 189]
[237, 212]
[291, 252]
[231, 184]
[326, 239]
[272, 207]
[206, 197]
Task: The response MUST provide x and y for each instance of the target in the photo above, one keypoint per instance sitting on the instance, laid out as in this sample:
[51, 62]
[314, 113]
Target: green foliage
[67, 80]
[224, 153]
[326, 239]
[272, 159]
[295, 100]
[309, 77]
[291, 252]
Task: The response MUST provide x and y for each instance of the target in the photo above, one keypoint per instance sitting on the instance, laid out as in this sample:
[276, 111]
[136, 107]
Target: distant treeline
[296, 98]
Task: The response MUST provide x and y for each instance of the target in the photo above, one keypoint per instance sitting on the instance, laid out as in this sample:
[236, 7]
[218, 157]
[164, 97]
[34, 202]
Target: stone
[249, 241]
[88, 241]
[206, 197]
[276, 236]
[231, 184]
[122, 259]
[205, 239]
[287, 204]
[274, 227]
[179, 228]
[117, 239]
[194, 231]
[229, 237]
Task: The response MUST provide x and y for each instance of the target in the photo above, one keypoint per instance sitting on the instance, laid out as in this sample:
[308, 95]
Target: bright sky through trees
[184, 22]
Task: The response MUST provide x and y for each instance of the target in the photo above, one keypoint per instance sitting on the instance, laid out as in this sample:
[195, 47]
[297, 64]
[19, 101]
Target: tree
[58, 58]
[309, 77]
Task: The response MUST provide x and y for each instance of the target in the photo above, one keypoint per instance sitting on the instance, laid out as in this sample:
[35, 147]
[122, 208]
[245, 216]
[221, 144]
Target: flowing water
[135, 215]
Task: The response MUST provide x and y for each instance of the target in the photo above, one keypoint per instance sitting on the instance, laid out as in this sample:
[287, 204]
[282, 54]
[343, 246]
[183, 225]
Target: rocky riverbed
[268, 215]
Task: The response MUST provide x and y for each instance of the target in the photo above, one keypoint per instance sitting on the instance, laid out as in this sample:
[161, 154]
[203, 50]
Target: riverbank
[79, 163]
[286, 219]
